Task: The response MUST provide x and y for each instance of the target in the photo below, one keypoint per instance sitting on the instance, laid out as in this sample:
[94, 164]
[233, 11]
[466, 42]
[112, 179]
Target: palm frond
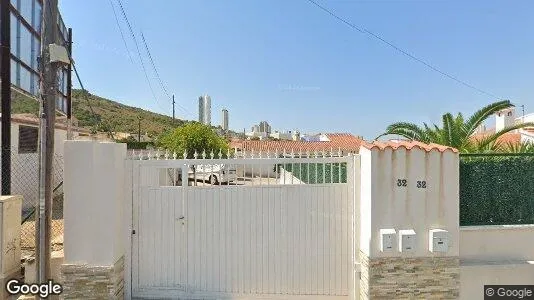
[448, 128]
[493, 137]
[484, 113]
[407, 130]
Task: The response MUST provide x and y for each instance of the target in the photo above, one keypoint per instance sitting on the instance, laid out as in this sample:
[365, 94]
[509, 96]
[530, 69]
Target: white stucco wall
[93, 207]
[60, 136]
[499, 242]
[474, 277]
[385, 205]
[527, 137]
[498, 255]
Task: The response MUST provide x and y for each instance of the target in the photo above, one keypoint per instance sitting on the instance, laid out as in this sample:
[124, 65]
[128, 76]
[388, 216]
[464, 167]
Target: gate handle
[180, 218]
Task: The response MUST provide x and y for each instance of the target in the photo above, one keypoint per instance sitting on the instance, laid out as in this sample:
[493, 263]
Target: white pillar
[93, 214]
[409, 191]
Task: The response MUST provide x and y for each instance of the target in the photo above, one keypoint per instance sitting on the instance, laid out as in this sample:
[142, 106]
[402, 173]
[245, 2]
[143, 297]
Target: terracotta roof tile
[408, 145]
[338, 141]
[507, 138]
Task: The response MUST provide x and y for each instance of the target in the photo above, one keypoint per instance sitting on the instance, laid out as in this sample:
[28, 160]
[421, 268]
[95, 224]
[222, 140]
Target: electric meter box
[407, 240]
[388, 240]
[438, 240]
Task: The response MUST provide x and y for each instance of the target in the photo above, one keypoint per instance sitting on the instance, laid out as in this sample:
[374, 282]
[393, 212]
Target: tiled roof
[407, 145]
[507, 138]
[338, 141]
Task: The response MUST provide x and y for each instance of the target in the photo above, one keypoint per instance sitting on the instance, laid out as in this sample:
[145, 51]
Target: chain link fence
[25, 182]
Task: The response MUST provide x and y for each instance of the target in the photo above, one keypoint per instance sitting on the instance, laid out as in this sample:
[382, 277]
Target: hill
[108, 114]
[114, 116]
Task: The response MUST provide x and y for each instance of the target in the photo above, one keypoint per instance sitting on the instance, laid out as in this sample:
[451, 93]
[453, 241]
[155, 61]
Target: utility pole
[173, 108]
[46, 148]
[5, 77]
[139, 132]
[523, 111]
[69, 88]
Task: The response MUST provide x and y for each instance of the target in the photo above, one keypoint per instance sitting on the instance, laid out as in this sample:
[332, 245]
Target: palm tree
[525, 147]
[456, 131]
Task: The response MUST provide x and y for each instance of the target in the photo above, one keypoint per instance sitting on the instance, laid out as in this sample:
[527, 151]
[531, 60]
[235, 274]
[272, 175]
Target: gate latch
[181, 218]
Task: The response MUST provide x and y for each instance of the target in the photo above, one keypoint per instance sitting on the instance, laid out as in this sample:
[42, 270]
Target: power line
[404, 52]
[157, 73]
[120, 30]
[139, 54]
[154, 65]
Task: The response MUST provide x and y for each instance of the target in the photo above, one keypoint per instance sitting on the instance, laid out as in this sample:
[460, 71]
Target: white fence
[263, 237]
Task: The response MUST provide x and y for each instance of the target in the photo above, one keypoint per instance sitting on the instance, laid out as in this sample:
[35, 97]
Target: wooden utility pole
[139, 131]
[69, 88]
[46, 149]
[173, 108]
[5, 77]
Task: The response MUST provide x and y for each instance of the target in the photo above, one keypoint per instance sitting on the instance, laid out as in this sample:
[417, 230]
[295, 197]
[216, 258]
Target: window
[28, 138]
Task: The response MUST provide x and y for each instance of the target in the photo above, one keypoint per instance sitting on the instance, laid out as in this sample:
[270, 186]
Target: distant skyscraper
[204, 109]
[265, 127]
[224, 119]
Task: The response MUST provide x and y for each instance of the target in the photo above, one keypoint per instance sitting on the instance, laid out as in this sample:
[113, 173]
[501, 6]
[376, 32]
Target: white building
[506, 118]
[224, 119]
[204, 109]
[289, 135]
[25, 156]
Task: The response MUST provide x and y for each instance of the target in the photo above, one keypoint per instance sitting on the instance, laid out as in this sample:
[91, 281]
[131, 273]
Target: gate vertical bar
[185, 231]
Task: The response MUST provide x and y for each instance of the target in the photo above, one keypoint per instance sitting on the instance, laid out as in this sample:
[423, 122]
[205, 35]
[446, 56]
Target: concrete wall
[10, 207]
[502, 254]
[288, 178]
[499, 242]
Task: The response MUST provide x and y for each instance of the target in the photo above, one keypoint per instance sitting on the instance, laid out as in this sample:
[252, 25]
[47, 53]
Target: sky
[297, 67]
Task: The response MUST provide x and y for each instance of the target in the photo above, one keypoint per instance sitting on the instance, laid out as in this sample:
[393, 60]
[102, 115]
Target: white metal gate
[265, 239]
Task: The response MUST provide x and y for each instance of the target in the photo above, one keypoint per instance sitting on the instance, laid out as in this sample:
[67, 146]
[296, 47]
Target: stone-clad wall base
[410, 278]
[90, 282]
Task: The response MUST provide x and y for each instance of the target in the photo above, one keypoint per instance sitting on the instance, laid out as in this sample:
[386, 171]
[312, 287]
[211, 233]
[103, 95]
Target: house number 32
[402, 182]
[421, 184]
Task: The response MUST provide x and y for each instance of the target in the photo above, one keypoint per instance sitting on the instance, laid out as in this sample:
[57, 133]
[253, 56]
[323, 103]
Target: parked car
[214, 174]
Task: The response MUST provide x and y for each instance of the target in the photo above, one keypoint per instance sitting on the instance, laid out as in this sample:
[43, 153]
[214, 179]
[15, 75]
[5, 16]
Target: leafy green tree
[193, 137]
[456, 131]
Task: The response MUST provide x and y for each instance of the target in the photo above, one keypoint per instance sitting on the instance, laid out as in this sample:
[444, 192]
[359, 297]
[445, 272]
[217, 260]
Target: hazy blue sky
[288, 62]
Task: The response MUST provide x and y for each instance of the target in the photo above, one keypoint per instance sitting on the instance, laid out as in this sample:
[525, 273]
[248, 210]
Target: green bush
[497, 190]
[191, 138]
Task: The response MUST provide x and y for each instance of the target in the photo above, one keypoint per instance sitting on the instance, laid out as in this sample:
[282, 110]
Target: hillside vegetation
[109, 115]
